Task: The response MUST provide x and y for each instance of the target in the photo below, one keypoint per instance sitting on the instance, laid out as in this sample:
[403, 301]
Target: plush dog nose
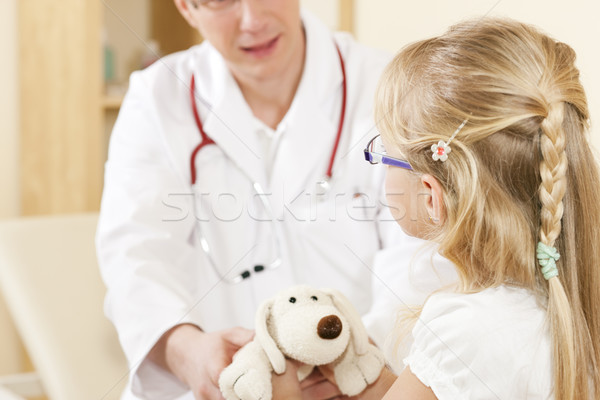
[329, 327]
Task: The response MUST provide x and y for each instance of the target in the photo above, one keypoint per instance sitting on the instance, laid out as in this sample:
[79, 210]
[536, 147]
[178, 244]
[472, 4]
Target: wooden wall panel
[60, 84]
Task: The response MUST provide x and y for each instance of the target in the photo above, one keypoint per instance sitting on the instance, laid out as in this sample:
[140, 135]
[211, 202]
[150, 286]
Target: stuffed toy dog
[315, 327]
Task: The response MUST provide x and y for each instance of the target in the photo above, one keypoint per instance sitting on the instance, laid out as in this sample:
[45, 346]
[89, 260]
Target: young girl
[485, 131]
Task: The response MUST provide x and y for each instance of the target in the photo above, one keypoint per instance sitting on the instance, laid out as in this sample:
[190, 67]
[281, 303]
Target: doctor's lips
[261, 49]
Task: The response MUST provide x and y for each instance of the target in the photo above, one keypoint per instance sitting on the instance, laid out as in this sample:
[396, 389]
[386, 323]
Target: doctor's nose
[253, 17]
[329, 327]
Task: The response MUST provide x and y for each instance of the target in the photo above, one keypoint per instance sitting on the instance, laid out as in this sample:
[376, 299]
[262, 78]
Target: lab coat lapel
[229, 124]
[306, 147]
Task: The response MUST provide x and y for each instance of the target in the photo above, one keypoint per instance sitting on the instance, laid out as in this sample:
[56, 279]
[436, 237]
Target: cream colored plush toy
[315, 327]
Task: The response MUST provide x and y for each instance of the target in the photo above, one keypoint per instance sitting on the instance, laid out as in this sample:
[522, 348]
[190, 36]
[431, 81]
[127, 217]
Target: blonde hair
[521, 171]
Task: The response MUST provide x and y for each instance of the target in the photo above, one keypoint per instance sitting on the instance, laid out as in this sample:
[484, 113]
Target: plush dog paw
[371, 364]
[248, 377]
[354, 373]
[253, 386]
[248, 385]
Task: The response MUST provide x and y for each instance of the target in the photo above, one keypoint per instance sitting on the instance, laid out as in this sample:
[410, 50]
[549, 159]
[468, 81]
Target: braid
[553, 170]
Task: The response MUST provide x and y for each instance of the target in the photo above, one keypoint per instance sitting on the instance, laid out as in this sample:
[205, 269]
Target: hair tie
[547, 257]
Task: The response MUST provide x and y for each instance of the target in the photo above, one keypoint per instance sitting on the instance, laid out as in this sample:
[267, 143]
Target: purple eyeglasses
[375, 154]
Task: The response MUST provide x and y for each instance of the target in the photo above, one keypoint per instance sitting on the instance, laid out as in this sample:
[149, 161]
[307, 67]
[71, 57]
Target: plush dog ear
[265, 340]
[359, 335]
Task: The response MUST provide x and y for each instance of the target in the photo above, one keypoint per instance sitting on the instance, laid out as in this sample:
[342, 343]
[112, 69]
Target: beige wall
[390, 24]
[327, 11]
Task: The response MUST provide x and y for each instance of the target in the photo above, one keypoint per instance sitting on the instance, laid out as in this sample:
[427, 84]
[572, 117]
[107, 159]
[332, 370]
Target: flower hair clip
[442, 149]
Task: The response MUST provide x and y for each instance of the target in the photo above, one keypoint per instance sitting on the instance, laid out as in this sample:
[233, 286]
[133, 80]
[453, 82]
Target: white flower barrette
[442, 149]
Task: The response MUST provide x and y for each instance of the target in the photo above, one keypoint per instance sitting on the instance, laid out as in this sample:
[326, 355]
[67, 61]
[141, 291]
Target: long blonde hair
[521, 171]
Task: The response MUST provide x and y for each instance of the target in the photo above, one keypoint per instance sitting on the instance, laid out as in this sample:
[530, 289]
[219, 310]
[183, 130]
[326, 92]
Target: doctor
[233, 173]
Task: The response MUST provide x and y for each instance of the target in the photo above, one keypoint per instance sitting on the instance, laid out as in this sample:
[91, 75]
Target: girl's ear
[434, 203]
[184, 9]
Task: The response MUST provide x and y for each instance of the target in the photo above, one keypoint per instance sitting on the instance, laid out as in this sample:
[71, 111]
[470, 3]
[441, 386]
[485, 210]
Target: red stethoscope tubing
[206, 140]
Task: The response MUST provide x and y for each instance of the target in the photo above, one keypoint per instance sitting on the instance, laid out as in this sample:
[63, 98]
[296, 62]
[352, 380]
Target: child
[485, 129]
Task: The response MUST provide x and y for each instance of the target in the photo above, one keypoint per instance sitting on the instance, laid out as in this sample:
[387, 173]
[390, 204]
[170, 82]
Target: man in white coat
[226, 165]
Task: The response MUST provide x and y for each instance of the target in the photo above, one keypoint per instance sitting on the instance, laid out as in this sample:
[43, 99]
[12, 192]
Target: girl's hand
[286, 386]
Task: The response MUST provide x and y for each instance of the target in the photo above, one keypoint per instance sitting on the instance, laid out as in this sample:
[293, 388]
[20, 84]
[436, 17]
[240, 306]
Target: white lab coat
[148, 244]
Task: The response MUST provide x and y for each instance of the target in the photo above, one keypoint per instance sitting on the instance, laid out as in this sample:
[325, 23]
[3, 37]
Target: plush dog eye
[292, 299]
[314, 298]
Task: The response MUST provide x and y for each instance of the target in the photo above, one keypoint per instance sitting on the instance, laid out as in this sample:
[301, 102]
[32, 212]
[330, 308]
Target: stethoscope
[322, 186]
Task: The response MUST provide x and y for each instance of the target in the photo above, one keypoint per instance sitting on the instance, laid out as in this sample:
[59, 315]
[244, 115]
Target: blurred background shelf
[111, 103]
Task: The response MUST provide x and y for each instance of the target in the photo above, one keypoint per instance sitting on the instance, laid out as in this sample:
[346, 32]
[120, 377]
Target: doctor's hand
[197, 358]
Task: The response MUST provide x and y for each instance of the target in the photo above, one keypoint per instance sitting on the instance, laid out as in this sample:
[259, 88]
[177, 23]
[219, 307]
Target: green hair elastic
[547, 257]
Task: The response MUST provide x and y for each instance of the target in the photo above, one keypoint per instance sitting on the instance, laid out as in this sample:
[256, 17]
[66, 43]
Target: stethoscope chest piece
[322, 189]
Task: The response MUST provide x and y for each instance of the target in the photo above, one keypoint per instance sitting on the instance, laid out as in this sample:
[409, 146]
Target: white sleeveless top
[494, 344]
